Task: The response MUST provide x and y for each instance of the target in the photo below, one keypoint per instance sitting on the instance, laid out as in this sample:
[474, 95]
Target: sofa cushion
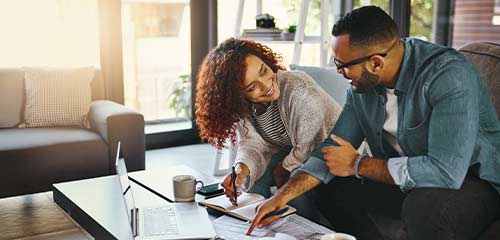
[486, 57]
[33, 159]
[328, 79]
[11, 97]
[28, 138]
[56, 97]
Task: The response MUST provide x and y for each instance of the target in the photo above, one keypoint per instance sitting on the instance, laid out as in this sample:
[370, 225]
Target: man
[430, 125]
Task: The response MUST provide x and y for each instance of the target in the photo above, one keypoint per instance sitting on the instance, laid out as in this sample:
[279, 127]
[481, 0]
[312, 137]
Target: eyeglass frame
[340, 65]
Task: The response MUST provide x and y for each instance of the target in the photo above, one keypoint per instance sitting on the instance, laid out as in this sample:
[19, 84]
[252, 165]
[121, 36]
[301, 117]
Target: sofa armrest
[115, 122]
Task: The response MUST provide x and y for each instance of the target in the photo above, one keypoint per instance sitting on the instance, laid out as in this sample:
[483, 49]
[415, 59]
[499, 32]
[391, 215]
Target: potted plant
[180, 99]
[289, 33]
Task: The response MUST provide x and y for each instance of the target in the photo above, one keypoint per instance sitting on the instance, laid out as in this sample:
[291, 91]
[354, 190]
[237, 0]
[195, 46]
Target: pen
[235, 193]
[274, 213]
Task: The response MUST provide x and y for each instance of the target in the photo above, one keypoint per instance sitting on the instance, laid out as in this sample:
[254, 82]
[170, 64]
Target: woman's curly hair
[220, 102]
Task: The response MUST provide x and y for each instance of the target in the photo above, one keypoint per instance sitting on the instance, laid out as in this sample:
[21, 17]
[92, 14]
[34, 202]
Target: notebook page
[248, 212]
[224, 203]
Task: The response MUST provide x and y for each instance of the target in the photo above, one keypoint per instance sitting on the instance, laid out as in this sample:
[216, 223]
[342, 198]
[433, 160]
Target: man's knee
[437, 213]
[428, 214]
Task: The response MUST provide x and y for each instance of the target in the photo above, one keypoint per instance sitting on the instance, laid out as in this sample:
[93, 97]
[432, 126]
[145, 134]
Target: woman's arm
[253, 151]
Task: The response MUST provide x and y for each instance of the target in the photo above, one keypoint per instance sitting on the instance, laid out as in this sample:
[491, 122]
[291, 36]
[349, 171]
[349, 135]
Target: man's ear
[376, 63]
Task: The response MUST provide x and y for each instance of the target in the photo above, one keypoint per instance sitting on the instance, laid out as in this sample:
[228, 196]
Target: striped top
[270, 125]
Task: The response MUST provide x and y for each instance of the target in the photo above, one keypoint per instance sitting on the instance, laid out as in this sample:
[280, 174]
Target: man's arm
[296, 186]
[453, 95]
[341, 161]
[375, 169]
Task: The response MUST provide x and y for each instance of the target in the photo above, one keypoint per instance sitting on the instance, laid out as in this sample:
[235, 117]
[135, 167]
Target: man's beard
[367, 81]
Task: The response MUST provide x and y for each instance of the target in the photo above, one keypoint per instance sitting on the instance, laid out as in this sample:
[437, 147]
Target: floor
[36, 216]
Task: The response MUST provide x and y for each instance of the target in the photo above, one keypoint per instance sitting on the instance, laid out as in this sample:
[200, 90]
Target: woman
[244, 94]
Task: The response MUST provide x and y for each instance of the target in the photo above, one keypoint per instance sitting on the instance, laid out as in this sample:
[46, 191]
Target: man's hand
[340, 159]
[280, 174]
[340, 162]
[242, 172]
[296, 186]
[272, 204]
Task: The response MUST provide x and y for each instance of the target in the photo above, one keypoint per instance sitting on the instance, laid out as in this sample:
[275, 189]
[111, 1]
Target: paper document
[247, 203]
[230, 228]
[300, 227]
[290, 227]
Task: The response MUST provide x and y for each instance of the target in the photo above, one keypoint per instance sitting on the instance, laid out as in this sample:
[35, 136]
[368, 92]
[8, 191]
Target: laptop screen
[121, 171]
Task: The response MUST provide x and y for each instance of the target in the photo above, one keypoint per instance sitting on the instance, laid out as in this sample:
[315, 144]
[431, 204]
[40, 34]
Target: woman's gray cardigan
[308, 114]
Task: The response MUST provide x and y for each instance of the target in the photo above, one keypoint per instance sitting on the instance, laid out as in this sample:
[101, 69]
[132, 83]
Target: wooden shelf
[311, 39]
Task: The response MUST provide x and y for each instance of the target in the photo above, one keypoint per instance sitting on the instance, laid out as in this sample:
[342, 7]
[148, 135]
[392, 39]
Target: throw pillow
[328, 79]
[56, 97]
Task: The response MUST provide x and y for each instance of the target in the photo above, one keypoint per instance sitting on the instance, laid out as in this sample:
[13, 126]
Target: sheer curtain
[49, 33]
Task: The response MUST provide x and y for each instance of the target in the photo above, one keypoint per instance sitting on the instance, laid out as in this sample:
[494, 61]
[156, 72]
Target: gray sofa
[486, 58]
[32, 159]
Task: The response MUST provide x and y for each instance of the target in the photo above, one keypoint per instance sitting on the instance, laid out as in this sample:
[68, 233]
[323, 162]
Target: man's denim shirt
[446, 121]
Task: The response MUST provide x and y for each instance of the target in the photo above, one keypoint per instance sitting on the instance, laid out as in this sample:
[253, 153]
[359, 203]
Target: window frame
[203, 16]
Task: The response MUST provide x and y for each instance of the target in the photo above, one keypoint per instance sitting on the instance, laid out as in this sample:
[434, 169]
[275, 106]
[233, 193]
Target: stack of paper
[290, 227]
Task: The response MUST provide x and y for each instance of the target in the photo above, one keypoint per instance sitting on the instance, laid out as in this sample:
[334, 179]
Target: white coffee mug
[337, 236]
[185, 187]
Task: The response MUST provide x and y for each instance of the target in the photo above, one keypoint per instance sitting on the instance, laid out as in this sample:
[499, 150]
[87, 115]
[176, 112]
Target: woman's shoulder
[296, 82]
[294, 77]
[293, 81]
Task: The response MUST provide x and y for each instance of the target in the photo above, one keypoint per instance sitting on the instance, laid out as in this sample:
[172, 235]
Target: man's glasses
[340, 65]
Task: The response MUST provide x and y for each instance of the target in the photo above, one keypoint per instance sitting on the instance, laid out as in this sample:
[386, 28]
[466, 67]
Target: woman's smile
[270, 92]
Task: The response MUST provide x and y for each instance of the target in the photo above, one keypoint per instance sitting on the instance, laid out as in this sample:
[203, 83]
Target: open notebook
[247, 202]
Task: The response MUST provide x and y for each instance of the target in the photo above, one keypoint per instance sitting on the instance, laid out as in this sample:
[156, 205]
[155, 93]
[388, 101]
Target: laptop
[169, 221]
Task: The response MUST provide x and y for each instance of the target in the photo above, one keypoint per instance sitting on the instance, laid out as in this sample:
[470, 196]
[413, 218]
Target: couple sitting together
[429, 122]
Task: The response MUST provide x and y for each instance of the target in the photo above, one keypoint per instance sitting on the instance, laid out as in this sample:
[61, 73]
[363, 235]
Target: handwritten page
[224, 203]
[248, 212]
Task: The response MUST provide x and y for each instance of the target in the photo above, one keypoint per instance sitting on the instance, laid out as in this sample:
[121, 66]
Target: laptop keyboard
[160, 221]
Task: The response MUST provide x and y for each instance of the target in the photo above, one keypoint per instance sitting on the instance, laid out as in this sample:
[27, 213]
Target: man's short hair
[366, 26]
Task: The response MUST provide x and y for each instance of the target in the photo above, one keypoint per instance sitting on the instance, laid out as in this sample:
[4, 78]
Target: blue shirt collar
[405, 74]
[402, 79]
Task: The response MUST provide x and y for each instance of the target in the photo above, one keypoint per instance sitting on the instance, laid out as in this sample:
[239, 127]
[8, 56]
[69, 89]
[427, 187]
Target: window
[474, 21]
[157, 62]
[422, 12]
[455, 23]
[384, 4]
[49, 33]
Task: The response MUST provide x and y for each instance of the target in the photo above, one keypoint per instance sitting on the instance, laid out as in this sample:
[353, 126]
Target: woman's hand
[280, 174]
[242, 172]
